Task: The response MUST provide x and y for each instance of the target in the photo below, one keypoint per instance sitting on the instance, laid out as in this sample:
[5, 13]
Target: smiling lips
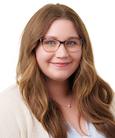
[60, 64]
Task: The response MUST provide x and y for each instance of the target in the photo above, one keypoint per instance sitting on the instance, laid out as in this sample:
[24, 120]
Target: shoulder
[9, 93]
[10, 99]
[16, 119]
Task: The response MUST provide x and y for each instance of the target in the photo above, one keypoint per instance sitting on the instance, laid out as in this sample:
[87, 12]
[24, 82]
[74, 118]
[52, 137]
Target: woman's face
[61, 64]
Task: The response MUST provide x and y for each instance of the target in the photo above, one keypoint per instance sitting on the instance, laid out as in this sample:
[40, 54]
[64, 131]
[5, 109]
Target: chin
[59, 78]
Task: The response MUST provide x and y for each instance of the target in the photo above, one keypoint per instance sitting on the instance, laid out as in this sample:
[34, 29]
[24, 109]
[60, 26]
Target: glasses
[51, 45]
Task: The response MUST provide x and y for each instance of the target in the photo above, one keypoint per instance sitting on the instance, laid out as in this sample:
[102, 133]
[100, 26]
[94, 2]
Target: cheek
[77, 58]
[42, 57]
[40, 61]
[39, 55]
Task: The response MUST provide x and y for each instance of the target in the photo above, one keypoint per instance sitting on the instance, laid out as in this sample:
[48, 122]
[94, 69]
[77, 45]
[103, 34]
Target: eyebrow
[54, 37]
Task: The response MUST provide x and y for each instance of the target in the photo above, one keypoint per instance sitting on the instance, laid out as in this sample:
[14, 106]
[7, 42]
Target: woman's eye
[71, 43]
[50, 42]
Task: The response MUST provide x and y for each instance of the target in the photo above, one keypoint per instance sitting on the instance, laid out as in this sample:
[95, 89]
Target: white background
[98, 16]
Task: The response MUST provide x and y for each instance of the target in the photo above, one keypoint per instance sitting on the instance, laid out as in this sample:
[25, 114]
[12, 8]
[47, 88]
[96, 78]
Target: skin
[58, 66]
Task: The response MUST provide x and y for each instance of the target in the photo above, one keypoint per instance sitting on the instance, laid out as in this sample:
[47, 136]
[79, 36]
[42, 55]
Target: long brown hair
[93, 94]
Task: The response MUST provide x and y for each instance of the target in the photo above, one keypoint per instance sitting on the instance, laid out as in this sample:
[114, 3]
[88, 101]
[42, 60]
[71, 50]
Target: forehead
[62, 28]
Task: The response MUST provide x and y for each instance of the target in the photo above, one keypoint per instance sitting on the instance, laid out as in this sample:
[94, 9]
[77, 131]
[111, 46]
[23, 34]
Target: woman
[58, 93]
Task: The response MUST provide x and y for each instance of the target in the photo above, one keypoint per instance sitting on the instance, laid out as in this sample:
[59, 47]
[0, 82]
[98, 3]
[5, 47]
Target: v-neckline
[73, 129]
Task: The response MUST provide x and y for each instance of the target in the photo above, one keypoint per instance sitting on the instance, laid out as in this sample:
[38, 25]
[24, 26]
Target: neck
[61, 93]
[57, 89]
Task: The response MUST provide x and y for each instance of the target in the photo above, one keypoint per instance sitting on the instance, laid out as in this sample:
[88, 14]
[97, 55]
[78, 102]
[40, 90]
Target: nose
[61, 52]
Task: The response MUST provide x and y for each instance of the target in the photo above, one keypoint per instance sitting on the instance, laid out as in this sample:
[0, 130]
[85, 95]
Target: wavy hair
[93, 94]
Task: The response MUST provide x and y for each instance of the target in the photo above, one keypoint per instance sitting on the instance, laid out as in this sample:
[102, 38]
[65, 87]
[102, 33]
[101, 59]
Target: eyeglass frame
[60, 42]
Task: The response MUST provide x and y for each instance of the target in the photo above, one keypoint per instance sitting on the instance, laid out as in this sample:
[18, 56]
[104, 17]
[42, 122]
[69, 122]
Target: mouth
[60, 64]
